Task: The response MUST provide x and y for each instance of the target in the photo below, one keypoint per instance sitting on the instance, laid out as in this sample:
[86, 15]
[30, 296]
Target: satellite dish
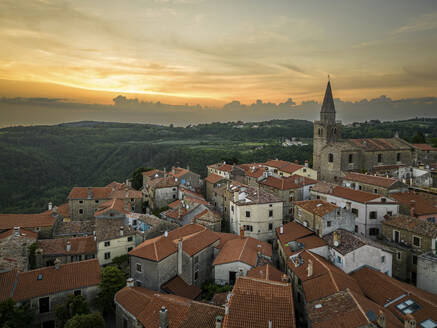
[336, 243]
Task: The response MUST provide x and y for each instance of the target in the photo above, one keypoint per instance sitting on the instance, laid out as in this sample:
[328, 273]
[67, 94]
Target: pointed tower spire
[327, 114]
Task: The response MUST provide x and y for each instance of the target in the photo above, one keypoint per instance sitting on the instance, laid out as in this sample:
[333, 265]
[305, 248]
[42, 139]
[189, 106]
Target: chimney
[16, 231]
[236, 195]
[121, 231]
[348, 206]
[412, 207]
[50, 206]
[242, 233]
[68, 246]
[90, 193]
[165, 234]
[281, 230]
[331, 189]
[381, 319]
[57, 264]
[409, 322]
[306, 163]
[336, 238]
[180, 256]
[270, 324]
[130, 282]
[310, 268]
[165, 172]
[285, 278]
[148, 210]
[163, 317]
[188, 167]
[218, 321]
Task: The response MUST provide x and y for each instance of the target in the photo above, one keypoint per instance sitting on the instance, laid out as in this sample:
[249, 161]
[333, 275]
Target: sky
[204, 60]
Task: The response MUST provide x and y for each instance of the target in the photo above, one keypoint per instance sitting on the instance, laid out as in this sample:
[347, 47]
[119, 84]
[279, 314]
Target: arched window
[331, 158]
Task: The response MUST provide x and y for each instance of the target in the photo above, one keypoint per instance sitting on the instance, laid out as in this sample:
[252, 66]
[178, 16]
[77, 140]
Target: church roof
[328, 101]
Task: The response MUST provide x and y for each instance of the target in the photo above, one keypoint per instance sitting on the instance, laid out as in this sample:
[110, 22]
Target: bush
[112, 281]
[92, 320]
[209, 289]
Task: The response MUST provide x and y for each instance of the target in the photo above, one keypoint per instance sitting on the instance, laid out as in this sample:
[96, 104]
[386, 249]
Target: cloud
[424, 22]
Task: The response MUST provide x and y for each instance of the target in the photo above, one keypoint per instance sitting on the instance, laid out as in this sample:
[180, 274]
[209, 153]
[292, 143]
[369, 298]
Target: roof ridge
[358, 305]
[242, 250]
[156, 251]
[327, 269]
[15, 284]
[271, 282]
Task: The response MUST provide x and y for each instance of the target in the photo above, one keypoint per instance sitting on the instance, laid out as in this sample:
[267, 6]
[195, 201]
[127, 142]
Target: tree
[113, 280]
[32, 257]
[91, 320]
[137, 177]
[74, 305]
[418, 138]
[15, 316]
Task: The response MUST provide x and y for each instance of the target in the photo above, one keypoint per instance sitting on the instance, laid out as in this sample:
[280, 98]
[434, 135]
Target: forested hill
[42, 163]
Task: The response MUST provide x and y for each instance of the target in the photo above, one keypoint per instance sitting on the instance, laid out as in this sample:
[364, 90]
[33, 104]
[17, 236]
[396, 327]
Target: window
[196, 260]
[360, 187]
[130, 238]
[398, 157]
[270, 213]
[355, 211]
[80, 211]
[373, 231]
[379, 158]
[375, 191]
[248, 214]
[129, 249]
[408, 307]
[372, 215]
[339, 259]
[304, 170]
[428, 323]
[107, 243]
[107, 255]
[356, 229]
[174, 196]
[328, 223]
[81, 202]
[414, 259]
[97, 201]
[232, 208]
[44, 304]
[383, 259]
[330, 158]
[416, 241]
[270, 226]
[431, 219]
[351, 158]
[389, 213]
[139, 267]
[247, 228]
[138, 283]
[134, 222]
[174, 189]
[77, 292]
[319, 132]
[396, 236]
[196, 275]
[398, 256]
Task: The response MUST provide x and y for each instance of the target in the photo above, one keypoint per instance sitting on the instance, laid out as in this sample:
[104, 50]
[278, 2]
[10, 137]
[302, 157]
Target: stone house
[238, 256]
[255, 211]
[66, 250]
[215, 183]
[417, 205]
[14, 248]
[408, 237]
[42, 223]
[186, 252]
[161, 191]
[45, 288]
[289, 190]
[427, 271]
[132, 198]
[369, 209]
[426, 154]
[374, 184]
[286, 169]
[252, 173]
[139, 307]
[333, 155]
[222, 169]
[349, 252]
[323, 217]
[187, 178]
[292, 238]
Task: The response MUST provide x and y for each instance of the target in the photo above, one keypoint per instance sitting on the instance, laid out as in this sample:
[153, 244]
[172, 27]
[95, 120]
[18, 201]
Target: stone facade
[427, 272]
[14, 249]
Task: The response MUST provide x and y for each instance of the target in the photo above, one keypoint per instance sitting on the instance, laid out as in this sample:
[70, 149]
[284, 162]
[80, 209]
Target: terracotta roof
[422, 206]
[68, 277]
[425, 147]
[346, 193]
[348, 241]
[127, 194]
[75, 228]
[93, 192]
[380, 143]
[317, 206]
[291, 167]
[254, 170]
[7, 281]
[9, 221]
[347, 309]
[370, 179]
[221, 167]
[166, 182]
[326, 279]
[58, 246]
[250, 195]
[276, 163]
[389, 292]
[224, 238]
[23, 233]
[175, 204]
[267, 272]
[151, 172]
[255, 302]
[214, 178]
[160, 247]
[145, 304]
[113, 204]
[111, 230]
[220, 299]
[243, 250]
[292, 231]
[179, 287]
[412, 224]
[177, 172]
[287, 183]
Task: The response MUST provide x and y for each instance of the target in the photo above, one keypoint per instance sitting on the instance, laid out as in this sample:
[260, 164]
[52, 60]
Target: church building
[332, 156]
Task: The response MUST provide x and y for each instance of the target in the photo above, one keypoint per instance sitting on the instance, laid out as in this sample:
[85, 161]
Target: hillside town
[347, 238]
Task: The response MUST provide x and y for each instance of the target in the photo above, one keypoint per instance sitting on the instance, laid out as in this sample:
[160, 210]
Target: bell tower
[327, 130]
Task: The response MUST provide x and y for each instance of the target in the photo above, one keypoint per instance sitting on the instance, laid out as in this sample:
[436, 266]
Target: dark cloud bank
[25, 111]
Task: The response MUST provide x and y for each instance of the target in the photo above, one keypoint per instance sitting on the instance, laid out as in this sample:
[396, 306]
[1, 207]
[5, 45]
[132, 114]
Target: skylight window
[408, 307]
[39, 276]
[428, 323]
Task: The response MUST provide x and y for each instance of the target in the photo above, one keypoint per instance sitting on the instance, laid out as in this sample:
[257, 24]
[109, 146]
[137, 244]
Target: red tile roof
[317, 206]
[23, 233]
[276, 163]
[425, 147]
[113, 204]
[291, 232]
[69, 276]
[58, 246]
[221, 167]
[9, 221]
[225, 237]
[94, 192]
[287, 183]
[214, 178]
[145, 304]
[7, 281]
[267, 272]
[151, 172]
[243, 250]
[412, 224]
[255, 302]
[177, 172]
[370, 179]
[254, 170]
[166, 182]
[346, 193]
[179, 287]
[422, 206]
